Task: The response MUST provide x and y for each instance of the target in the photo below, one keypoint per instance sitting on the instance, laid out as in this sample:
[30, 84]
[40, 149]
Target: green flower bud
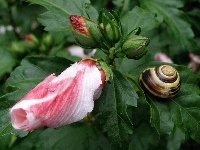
[47, 39]
[110, 27]
[135, 46]
[86, 32]
[17, 48]
[43, 47]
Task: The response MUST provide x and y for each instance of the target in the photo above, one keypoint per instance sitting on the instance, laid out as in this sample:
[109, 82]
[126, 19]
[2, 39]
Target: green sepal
[120, 54]
[107, 69]
[110, 26]
[135, 31]
[95, 33]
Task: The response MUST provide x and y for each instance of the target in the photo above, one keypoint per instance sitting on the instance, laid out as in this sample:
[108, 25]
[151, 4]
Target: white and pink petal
[60, 100]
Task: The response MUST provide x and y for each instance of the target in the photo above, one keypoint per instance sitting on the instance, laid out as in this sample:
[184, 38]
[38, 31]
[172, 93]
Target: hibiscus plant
[94, 74]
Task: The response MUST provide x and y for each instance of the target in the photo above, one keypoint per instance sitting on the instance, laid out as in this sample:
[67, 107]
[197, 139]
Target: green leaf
[117, 2]
[181, 110]
[57, 18]
[138, 17]
[161, 117]
[22, 12]
[34, 69]
[175, 140]
[193, 17]
[24, 78]
[169, 11]
[5, 142]
[6, 127]
[7, 61]
[122, 6]
[112, 109]
[6, 38]
[75, 137]
[6, 102]
[144, 137]
[28, 142]
[126, 90]
[54, 22]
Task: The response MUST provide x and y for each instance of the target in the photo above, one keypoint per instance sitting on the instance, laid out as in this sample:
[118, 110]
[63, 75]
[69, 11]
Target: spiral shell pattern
[162, 81]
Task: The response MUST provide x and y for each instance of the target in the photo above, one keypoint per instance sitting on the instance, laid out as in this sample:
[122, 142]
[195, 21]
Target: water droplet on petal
[52, 89]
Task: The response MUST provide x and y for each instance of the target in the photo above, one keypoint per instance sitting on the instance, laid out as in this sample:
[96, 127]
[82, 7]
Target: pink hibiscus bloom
[61, 100]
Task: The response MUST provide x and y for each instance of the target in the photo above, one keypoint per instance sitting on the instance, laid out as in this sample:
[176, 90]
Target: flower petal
[61, 100]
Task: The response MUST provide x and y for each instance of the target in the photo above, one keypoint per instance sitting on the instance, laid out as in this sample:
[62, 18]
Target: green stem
[109, 61]
[11, 19]
[110, 58]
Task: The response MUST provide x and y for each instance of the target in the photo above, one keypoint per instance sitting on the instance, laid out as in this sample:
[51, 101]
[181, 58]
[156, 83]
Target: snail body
[162, 81]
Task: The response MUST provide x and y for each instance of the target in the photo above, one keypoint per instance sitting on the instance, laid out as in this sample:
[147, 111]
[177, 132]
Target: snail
[162, 81]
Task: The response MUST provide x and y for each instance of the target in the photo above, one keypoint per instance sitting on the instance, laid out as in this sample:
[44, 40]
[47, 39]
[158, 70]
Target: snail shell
[162, 81]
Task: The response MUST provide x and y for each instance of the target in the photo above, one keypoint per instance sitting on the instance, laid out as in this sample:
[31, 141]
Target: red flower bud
[31, 41]
[28, 38]
[31, 38]
[86, 32]
[78, 24]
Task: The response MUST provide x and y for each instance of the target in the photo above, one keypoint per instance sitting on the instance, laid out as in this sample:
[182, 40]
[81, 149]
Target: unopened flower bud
[110, 27]
[17, 48]
[47, 39]
[46, 42]
[31, 38]
[135, 46]
[42, 47]
[85, 31]
[194, 65]
[30, 41]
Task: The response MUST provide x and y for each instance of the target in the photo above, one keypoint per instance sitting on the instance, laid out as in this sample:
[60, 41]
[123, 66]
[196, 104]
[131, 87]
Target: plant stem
[110, 58]
[11, 19]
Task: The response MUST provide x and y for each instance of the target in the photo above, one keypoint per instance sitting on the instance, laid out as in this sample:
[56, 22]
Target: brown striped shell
[162, 81]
